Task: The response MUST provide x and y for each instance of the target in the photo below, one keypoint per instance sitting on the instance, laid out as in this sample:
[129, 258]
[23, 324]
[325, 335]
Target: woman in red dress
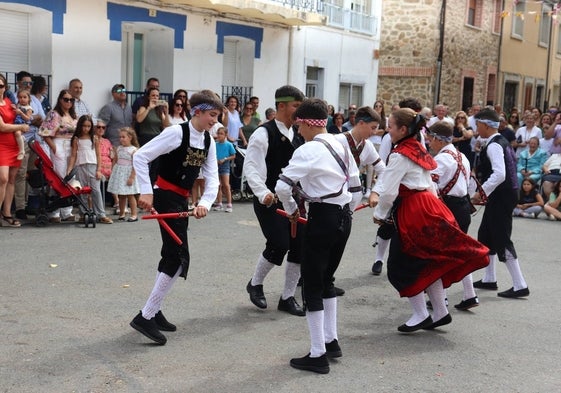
[428, 252]
[9, 163]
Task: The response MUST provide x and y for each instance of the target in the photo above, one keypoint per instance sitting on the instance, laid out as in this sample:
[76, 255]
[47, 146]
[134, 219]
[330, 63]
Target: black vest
[279, 152]
[182, 165]
[484, 169]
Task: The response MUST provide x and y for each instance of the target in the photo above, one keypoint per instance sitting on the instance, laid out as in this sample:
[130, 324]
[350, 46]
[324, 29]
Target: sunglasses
[179, 104]
[27, 83]
[101, 127]
[66, 99]
[120, 91]
[2, 86]
[182, 96]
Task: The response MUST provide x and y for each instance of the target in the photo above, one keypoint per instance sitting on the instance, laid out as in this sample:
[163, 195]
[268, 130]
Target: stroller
[45, 179]
[238, 177]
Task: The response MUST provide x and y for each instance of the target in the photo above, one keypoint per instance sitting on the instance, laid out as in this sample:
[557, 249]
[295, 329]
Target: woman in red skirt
[429, 251]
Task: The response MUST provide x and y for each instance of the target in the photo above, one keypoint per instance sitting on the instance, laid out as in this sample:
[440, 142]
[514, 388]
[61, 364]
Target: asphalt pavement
[68, 294]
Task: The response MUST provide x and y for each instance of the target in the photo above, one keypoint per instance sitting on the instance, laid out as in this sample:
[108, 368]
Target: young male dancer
[496, 172]
[452, 176]
[269, 150]
[183, 151]
[327, 175]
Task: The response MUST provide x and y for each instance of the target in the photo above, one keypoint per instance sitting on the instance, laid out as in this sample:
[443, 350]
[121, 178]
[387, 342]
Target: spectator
[330, 113]
[551, 175]
[152, 116]
[471, 120]
[8, 155]
[75, 88]
[523, 134]
[151, 83]
[440, 114]
[249, 121]
[553, 207]
[531, 161]
[57, 130]
[39, 90]
[462, 136]
[233, 121]
[547, 141]
[106, 154]
[545, 119]
[514, 120]
[182, 95]
[255, 102]
[337, 127]
[350, 123]
[530, 201]
[177, 111]
[117, 114]
[225, 154]
[270, 114]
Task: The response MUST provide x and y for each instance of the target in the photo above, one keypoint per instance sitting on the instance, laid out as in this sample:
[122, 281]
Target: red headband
[312, 122]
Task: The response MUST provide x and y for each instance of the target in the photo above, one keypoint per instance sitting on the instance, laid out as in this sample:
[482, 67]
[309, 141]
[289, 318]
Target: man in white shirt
[75, 88]
[440, 114]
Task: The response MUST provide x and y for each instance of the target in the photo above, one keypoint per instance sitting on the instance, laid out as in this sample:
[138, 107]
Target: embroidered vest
[279, 152]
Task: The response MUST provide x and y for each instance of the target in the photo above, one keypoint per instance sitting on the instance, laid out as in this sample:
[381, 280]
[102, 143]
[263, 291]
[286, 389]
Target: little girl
[225, 153]
[530, 201]
[553, 207]
[106, 153]
[84, 155]
[123, 178]
[24, 114]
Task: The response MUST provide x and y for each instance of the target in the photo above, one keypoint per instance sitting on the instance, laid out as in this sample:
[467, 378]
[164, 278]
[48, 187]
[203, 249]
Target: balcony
[347, 19]
[285, 12]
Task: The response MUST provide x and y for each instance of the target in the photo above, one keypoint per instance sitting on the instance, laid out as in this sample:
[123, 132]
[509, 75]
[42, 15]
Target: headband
[490, 123]
[442, 138]
[366, 119]
[312, 122]
[202, 107]
[285, 99]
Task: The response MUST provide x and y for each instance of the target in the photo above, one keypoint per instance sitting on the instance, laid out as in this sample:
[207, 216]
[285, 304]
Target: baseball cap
[116, 87]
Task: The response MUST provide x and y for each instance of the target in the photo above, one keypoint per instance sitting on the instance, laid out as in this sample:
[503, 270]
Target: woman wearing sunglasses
[462, 135]
[57, 130]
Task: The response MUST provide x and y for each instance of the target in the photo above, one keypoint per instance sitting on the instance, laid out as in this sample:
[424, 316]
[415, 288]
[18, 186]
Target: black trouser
[324, 241]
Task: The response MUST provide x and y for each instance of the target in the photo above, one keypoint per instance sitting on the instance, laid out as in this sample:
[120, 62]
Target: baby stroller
[45, 179]
[244, 192]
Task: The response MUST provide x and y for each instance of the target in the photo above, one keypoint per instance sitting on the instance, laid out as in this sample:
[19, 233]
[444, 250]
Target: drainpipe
[440, 54]
[290, 49]
[547, 72]
[499, 73]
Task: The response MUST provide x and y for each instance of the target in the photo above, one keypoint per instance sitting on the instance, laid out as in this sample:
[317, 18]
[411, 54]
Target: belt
[166, 185]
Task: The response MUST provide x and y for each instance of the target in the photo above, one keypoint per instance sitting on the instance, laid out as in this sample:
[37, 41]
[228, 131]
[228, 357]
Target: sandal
[9, 221]
[121, 218]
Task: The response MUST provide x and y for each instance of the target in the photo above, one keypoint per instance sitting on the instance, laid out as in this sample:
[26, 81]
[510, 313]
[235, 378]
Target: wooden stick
[166, 226]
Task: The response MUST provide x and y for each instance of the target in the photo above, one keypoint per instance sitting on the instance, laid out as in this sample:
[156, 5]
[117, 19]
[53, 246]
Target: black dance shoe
[377, 268]
[256, 295]
[511, 293]
[317, 365]
[467, 304]
[291, 306]
[486, 285]
[163, 323]
[333, 350]
[149, 328]
[421, 325]
[441, 322]
[339, 291]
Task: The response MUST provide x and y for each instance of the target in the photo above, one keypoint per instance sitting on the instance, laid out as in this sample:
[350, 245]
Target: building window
[314, 82]
[540, 96]
[511, 90]
[349, 94]
[545, 25]
[467, 93]
[497, 17]
[559, 42]
[354, 15]
[474, 12]
[518, 20]
[491, 87]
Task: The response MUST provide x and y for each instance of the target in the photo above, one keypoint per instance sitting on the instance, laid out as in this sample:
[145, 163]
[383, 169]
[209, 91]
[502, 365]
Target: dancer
[269, 150]
[183, 150]
[328, 175]
[428, 251]
[496, 172]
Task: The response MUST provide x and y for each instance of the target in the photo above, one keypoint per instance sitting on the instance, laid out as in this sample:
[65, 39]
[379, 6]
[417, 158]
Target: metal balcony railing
[243, 93]
[302, 5]
[347, 19]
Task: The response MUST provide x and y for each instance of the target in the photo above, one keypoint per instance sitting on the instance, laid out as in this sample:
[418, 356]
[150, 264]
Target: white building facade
[240, 47]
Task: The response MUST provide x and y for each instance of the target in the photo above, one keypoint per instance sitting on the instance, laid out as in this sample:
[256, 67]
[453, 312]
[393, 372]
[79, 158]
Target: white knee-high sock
[513, 267]
[261, 270]
[467, 282]
[291, 277]
[437, 295]
[419, 306]
[490, 270]
[330, 319]
[317, 337]
[161, 289]
[381, 248]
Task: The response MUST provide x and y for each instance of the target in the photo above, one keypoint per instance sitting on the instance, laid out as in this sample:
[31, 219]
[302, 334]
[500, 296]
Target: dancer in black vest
[328, 174]
[269, 150]
[496, 172]
[183, 151]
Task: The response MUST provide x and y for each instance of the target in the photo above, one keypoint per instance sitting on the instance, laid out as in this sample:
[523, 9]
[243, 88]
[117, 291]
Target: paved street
[68, 294]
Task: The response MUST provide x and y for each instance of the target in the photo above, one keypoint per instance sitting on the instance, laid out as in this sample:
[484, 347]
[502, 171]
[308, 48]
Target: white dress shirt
[446, 169]
[495, 153]
[168, 140]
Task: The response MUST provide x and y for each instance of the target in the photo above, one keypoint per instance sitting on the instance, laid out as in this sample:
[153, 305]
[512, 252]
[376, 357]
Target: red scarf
[412, 149]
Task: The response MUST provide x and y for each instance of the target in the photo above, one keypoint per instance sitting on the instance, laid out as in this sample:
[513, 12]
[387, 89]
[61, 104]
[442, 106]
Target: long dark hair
[382, 114]
[78, 130]
[58, 108]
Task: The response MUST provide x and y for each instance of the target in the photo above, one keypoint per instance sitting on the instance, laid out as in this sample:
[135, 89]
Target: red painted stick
[167, 215]
[283, 213]
[166, 226]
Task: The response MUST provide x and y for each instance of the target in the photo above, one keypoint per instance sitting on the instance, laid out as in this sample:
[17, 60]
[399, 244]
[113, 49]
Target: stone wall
[409, 48]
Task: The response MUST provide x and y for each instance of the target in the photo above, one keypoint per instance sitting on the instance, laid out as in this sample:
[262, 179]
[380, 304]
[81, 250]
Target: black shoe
[511, 293]
[317, 365]
[467, 304]
[256, 295]
[442, 321]
[333, 350]
[486, 285]
[421, 325]
[377, 268]
[429, 304]
[149, 328]
[339, 291]
[163, 323]
[291, 306]
[21, 215]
